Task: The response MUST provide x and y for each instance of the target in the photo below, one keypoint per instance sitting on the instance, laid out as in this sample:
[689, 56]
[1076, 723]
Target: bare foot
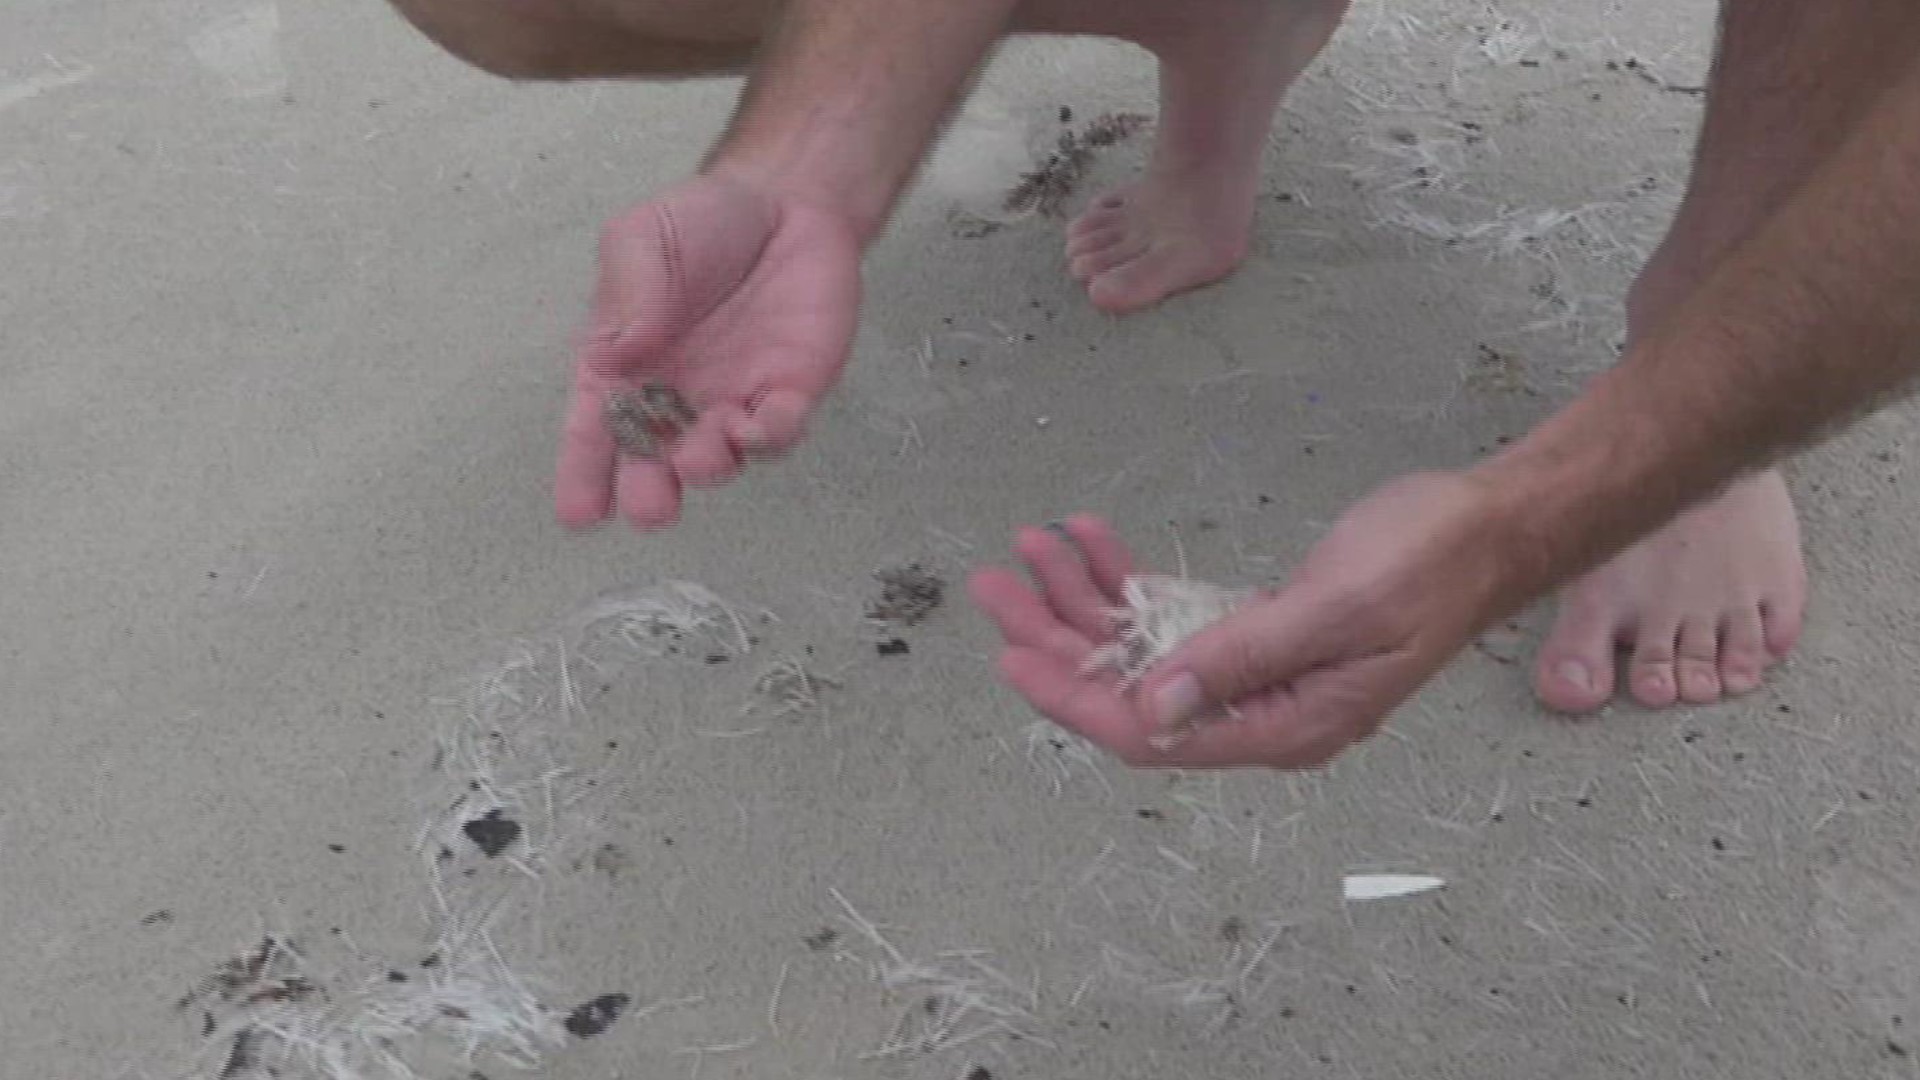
[1186, 224]
[1704, 607]
[1135, 247]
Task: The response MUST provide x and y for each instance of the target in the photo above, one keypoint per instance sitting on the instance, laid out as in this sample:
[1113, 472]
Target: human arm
[740, 287]
[1815, 318]
[848, 94]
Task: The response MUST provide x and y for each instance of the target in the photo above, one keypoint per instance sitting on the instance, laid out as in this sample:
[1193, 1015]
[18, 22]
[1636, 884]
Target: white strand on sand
[507, 749]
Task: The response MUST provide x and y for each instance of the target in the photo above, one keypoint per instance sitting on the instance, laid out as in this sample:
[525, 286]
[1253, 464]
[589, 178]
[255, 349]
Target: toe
[1094, 266]
[1094, 240]
[1782, 616]
[1650, 675]
[1697, 667]
[1743, 652]
[1097, 217]
[1129, 286]
[1575, 669]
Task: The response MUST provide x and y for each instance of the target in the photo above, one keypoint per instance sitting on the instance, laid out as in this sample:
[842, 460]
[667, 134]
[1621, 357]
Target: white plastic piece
[1387, 886]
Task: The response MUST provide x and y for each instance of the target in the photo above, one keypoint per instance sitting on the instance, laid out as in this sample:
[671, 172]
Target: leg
[596, 39]
[1224, 65]
[1223, 71]
[1710, 601]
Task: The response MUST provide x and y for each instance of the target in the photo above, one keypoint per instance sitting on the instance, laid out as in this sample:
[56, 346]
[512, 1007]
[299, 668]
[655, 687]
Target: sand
[285, 314]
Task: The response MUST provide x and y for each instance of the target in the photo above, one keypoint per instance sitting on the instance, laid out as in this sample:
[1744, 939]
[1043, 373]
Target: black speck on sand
[491, 833]
[593, 1017]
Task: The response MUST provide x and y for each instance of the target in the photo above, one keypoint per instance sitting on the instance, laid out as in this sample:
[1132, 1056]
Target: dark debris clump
[593, 1017]
[908, 594]
[1047, 188]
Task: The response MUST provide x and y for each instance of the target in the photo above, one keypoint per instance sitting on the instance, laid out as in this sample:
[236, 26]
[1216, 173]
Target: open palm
[741, 300]
[1383, 601]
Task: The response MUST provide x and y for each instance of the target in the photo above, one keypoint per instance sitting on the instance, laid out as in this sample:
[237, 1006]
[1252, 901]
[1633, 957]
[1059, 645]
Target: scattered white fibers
[520, 785]
[958, 997]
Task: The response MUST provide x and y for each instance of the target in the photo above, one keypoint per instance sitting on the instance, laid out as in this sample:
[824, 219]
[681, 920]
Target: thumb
[1256, 647]
[636, 309]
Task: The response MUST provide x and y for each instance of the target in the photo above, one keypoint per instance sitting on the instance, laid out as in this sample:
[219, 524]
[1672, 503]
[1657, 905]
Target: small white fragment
[1387, 886]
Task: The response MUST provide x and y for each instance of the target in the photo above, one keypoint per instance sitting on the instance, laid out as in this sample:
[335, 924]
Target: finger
[1113, 722]
[1023, 618]
[583, 476]
[771, 424]
[1256, 647]
[1107, 558]
[1275, 730]
[704, 456]
[649, 493]
[1283, 728]
[1065, 581]
[636, 299]
[1091, 709]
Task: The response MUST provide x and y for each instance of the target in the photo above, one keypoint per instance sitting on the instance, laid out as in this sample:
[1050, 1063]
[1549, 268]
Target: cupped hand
[739, 298]
[1290, 678]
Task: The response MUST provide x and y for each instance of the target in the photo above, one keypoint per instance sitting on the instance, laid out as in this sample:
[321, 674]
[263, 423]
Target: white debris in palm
[1161, 612]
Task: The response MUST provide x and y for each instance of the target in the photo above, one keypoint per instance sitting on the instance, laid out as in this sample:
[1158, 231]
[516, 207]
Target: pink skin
[1382, 602]
[1703, 607]
[742, 301]
[1187, 222]
[1052, 625]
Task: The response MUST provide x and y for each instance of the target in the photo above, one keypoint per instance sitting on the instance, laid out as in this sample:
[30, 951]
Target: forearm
[847, 95]
[1814, 319]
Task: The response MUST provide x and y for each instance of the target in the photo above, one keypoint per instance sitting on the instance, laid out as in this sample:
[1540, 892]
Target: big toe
[1127, 286]
[1575, 671]
[1783, 617]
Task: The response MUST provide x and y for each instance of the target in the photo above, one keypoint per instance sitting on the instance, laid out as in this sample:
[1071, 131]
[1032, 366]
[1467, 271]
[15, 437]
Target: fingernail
[1179, 700]
[1575, 674]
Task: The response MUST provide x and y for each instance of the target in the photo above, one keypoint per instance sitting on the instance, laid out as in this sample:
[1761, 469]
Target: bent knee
[561, 39]
[510, 38]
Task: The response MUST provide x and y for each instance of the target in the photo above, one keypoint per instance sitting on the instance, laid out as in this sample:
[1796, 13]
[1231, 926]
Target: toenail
[1576, 675]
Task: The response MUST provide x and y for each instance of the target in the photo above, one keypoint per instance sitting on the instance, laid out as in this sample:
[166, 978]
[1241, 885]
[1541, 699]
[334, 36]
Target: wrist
[1587, 481]
[811, 172]
[1513, 534]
